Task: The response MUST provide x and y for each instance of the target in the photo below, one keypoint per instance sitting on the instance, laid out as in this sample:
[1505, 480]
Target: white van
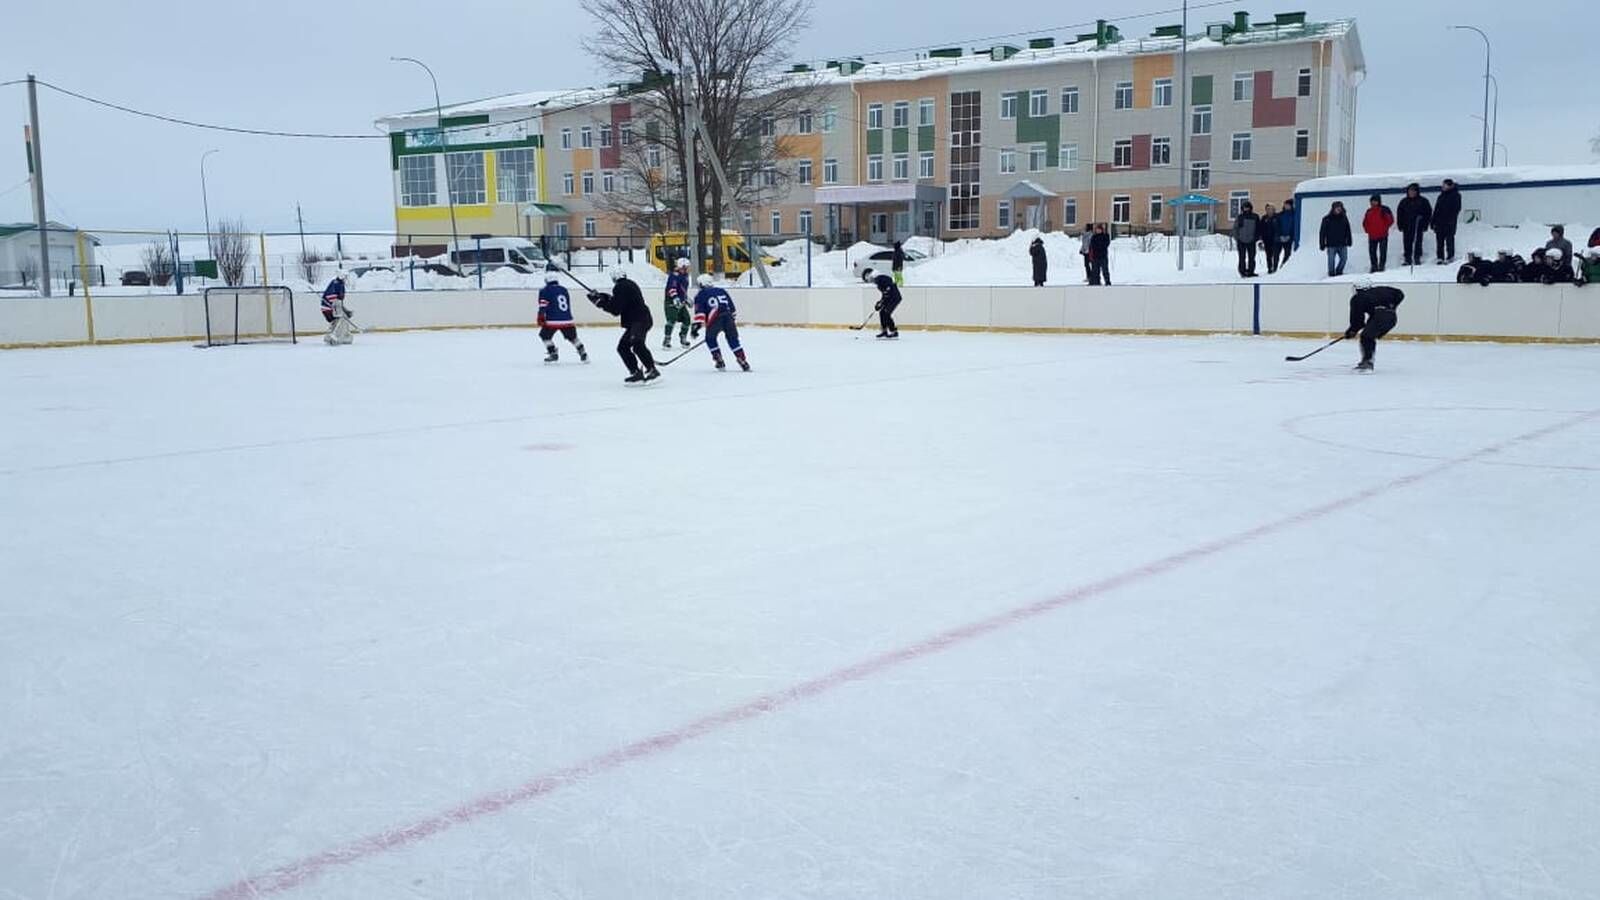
[521, 254]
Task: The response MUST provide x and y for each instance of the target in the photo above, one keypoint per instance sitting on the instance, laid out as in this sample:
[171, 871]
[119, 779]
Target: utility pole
[205, 203]
[691, 131]
[302, 220]
[1182, 209]
[36, 172]
[750, 247]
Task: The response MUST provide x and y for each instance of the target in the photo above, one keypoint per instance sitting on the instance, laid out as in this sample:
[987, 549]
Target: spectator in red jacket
[1376, 224]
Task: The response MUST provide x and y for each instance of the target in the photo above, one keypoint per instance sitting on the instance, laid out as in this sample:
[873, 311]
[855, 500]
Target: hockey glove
[541, 320]
[694, 333]
[1350, 333]
[877, 307]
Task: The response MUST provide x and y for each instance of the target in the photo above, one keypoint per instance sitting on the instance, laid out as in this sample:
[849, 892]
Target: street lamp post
[1181, 211]
[205, 202]
[1483, 157]
[1494, 120]
[1506, 155]
[444, 148]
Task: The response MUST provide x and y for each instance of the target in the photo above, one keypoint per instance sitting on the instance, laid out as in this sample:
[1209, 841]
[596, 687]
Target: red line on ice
[293, 874]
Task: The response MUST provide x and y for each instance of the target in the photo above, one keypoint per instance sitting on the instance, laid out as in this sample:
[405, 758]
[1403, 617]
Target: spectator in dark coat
[1269, 237]
[1246, 231]
[1288, 224]
[1559, 243]
[1100, 256]
[1334, 237]
[1041, 264]
[1413, 215]
[1446, 212]
[1376, 223]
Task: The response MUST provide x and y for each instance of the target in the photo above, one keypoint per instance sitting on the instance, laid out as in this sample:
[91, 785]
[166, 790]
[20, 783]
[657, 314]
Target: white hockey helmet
[1362, 284]
[682, 263]
[866, 274]
[551, 278]
[1475, 252]
[705, 280]
[342, 275]
[616, 273]
[1594, 252]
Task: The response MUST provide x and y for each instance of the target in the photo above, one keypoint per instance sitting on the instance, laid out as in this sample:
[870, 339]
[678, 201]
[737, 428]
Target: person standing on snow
[1372, 315]
[677, 305]
[1376, 223]
[626, 302]
[1288, 224]
[1446, 213]
[1041, 263]
[714, 311]
[1413, 215]
[1334, 237]
[1084, 250]
[555, 316]
[1269, 237]
[1100, 256]
[897, 265]
[1246, 229]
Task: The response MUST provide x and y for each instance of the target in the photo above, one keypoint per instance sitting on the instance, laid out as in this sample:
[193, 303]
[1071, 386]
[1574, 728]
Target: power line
[232, 129]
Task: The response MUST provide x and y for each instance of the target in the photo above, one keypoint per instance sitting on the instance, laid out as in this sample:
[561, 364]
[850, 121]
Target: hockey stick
[1314, 352]
[865, 321]
[568, 273]
[696, 346]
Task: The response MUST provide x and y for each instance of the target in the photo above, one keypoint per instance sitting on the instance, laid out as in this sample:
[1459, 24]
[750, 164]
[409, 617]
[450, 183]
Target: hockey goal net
[248, 314]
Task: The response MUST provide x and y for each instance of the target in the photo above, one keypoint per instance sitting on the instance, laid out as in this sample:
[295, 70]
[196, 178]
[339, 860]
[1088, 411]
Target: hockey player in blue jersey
[677, 305]
[555, 314]
[713, 311]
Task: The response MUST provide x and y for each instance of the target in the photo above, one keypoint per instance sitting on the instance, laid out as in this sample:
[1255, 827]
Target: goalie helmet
[705, 280]
[551, 278]
[682, 263]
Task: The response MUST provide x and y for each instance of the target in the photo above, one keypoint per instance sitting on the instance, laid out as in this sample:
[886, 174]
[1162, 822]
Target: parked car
[880, 261]
[135, 278]
[495, 253]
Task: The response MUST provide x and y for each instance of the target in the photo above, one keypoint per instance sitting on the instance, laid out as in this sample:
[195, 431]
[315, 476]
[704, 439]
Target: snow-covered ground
[1208, 260]
[962, 616]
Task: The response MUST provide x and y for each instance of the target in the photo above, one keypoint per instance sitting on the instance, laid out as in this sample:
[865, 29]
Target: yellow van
[666, 248]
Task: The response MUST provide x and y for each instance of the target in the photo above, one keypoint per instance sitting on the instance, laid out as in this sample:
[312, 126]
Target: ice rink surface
[968, 616]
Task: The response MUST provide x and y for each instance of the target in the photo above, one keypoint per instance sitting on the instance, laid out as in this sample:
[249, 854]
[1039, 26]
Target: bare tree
[310, 261]
[157, 259]
[647, 197]
[231, 245]
[28, 269]
[731, 53]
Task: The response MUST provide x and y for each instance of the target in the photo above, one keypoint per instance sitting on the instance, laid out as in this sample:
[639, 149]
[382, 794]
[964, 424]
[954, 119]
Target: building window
[513, 176]
[464, 174]
[1002, 216]
[1161, 151]
[605, 135]
[777, 222]
[748, 226]
[802, 122]
[1008, 106]
[803, 171]
[626, 129]
[1303, 88]
[769, 176]
[1199, 221]
[1156, 203]
[805, 221]
[1038, 104]
[590, 227]
[901, 116]
[626, 182]
[1161, 92]
[1121, 209]
[1068, 159]
[1302, 144]
[1241, 146]
[1200, 176]
[966, 159]
[585, 137]
[925, 112]
[875, 116]
[608, 182]
[1122, 155]
[561, 229]
[769, 126]
[1069, 101]
[1069, 211]
[1236, 202]
[566, 183]
[830, 119]
[875, 167]
[1122, 98]
[747, 176]
[1008, 161]
[925, 164]
[588, 182]
[902, 167]
[419, 181]
[1036, 158]
[1200, 120]
[830, 171]
[566, 138]
[1244, 86]
[652, 156]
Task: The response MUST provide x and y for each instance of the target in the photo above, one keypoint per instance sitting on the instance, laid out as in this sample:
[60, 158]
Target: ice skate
[633, 378]
[551, 355]
[1364, 366]
[583, 355]
[653, 374]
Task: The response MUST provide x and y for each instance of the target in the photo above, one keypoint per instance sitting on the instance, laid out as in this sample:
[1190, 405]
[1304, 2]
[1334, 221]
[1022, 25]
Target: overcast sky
[320, 66]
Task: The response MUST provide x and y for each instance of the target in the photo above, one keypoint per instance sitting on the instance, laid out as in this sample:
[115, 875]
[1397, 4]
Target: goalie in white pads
[340, 328]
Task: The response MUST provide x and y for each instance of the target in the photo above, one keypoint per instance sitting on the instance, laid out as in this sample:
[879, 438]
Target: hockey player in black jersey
[886, 303]
[626, 302]
[1372, 315]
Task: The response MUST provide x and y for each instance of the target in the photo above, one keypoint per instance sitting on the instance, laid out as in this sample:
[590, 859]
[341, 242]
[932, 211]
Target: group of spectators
[1554, 263]
[1414, 216]
[1272, 231]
